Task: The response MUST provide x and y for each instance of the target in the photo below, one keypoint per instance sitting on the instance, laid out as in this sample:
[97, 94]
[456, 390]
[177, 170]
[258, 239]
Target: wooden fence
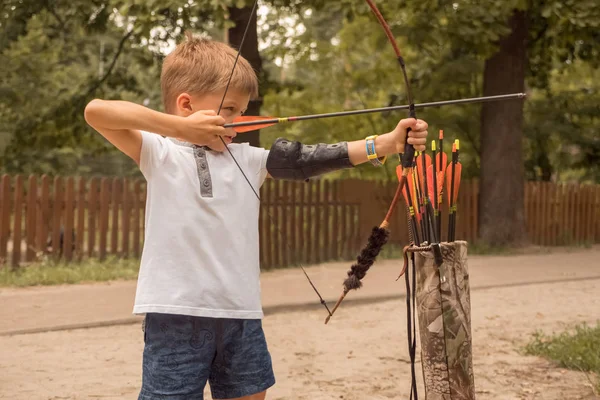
[74, 218]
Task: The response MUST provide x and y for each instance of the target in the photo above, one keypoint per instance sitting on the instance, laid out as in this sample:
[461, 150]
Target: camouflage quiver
[444, 315]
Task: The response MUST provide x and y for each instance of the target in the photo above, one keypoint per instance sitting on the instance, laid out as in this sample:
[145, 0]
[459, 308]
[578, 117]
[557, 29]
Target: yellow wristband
[372, 153]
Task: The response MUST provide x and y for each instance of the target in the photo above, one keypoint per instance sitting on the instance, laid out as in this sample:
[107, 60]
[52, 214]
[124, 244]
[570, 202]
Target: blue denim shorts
[183, 353]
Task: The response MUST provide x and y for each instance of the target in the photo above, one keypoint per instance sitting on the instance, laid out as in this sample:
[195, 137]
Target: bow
[380, 234]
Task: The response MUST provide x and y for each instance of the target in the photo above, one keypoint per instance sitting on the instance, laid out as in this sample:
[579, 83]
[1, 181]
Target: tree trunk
[250, 52]
[502, 219]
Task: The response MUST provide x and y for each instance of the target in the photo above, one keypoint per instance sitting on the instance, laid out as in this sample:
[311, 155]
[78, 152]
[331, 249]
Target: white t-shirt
[201, 246]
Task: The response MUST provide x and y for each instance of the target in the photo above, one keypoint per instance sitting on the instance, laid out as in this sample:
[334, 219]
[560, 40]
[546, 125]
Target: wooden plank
[578, 216]
[17, 221]
[57, 207]
[43, 215]
[318, 204]
[552, 209]
[558, 230]
[535, 208]
[544, 220]
[104, 214]
[5, 214]
[589, 211]
[31, 218]
[114, 209]
[125, 217]
[572, 212]
[538, 213]
[327, 242]
[294, 221]
[69, 219]
[284, 236]
[302, 222]
[80, 229]
[565, 215]
[335, 237]
[310, 222]
[137, 210]
[527, 207]
[92, 203]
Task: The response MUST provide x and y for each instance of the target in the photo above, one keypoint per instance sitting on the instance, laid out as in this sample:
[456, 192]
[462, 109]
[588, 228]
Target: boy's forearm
[117, 114]
[384, 146]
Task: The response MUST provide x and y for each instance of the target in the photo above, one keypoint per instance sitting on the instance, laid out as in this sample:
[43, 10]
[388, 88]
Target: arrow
[248, 123]
[441, 164]
[423, 161]
[453, 173]
[435, 181]
[406, 192]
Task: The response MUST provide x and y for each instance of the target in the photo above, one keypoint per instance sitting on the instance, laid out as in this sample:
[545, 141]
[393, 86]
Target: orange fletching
[420, 171]
[440, 185]
[410, 182]
[440, 181]
[430, 182]
[399, 172]
[246, 118]
[413, 191]
[457, 172]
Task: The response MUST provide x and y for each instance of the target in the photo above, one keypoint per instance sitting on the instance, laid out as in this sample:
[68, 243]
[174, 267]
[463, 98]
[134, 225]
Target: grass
[53, 273]
[577, 349]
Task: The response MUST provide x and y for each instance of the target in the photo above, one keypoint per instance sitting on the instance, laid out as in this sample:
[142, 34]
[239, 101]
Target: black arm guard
[295, 161]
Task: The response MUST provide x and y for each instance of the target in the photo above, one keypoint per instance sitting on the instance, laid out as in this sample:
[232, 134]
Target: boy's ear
[184, 103]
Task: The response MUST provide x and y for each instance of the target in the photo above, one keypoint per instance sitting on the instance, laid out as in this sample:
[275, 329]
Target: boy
[198, 284]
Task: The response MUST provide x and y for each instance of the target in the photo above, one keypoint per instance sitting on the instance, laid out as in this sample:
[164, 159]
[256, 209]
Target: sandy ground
[361, 354]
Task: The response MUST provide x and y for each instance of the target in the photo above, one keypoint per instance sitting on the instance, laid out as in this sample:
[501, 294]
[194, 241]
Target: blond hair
[201, 66]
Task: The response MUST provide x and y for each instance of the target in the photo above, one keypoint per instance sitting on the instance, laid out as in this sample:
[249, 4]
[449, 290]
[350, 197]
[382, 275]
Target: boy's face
[234, 105]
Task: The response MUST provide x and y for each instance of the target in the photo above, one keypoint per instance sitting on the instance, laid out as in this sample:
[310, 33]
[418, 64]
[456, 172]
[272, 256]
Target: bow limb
[409, 150]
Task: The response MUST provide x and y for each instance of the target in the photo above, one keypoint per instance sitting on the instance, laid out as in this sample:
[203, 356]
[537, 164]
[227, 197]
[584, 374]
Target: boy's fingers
[419, 143]
[417, 134]
[420, 125]
[219, 130]
[216, 120]
[407, 123]
[414, 124]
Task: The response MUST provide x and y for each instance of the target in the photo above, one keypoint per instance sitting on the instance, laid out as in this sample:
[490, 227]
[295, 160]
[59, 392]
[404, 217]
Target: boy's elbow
[92, 110]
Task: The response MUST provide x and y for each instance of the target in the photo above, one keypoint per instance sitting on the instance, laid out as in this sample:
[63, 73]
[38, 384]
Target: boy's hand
[203, 128]
[417, 136]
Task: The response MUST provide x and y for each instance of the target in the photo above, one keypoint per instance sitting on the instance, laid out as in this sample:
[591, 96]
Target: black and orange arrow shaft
[273, 121]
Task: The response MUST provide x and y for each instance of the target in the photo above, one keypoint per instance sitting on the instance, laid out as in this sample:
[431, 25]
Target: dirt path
[361, 354]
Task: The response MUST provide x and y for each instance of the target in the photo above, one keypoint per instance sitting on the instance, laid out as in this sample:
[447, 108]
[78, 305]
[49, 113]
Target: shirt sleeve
[257, 161]
[153, 153]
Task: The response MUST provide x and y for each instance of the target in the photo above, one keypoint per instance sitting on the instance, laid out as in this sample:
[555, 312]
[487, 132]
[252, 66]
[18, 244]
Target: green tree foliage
[445, 45]
[318, 57]
[58, 55]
